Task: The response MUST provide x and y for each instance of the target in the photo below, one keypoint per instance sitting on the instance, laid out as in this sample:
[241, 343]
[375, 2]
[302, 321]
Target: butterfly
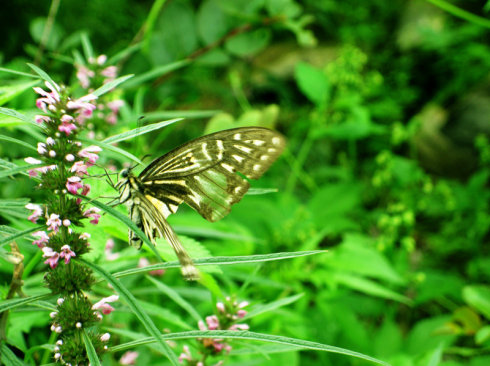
[205, 173]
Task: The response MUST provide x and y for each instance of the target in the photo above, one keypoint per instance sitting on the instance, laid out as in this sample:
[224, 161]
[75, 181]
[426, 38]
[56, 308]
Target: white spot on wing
[276, 140]
[237, 136]
[257, 167]
[243, 148]
[238, 158]
[258, 142]
[205, 151]
[221, 148]
[228, 167]
[264, 157]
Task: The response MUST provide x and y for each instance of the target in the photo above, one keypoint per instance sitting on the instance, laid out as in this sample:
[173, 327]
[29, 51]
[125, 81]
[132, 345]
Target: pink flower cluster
[103, 304]
[53, 257]
[95, 74]
[54, 105]
[226, 318]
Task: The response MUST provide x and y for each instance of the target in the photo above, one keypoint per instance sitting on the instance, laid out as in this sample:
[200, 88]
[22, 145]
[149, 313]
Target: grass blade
[92, 355]
[139, 131]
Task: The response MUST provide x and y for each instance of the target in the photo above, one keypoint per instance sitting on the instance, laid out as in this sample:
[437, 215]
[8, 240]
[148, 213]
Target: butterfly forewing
[203, 172]
[206, 173]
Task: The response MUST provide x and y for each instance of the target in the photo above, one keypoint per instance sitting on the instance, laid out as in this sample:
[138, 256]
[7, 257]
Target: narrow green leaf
[16, 141]
[136, 309]
[123, 53]
[10, 92]
[151, 20]
[111, 85]
[14, 203]
[222, 260]
[213, 233]
[112, 148]
[18, 169]
[92, 355]
[13, 113]
[18, 234]
[156, 115]
[15, 72]
[179, 300]
[8, 357]
[139, 131]
[478, 296]
[15, 303]
[252, 336]
[42, 74]
[156, 72]
[272, 306]
[87, 46]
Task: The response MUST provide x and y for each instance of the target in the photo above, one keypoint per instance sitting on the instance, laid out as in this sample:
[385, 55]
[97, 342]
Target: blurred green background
[386, 109]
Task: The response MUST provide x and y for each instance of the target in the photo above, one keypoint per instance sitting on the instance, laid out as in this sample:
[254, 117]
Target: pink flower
[41, 118]
[90, 154]
[201, 325]
[105, 337]
[101, 59]
[83, 105]
[52, 256]
[109, 72]
[241, 313]
[129, 358]
[50, 141]
[84, 236]
[104, 306]
[115, 105]
[243, 304]
[143, 262]
[85, 191]
[79, 168]
[109, 245]
[70, 157]
[73, 184]
[54, 222]
[30, 160]
[186, 355]
[93, 213]
[41, 148]
[43, 239]
[37, 211]
[84, 74]
[221, 307]
[213, 322]
[67, 253]
[67, 127]
[240, 327]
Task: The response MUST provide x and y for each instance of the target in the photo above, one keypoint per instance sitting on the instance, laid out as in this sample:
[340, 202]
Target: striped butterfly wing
[203, 172]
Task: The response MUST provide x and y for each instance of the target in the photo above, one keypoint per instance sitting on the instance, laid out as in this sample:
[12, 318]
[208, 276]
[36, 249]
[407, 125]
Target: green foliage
[370, 235]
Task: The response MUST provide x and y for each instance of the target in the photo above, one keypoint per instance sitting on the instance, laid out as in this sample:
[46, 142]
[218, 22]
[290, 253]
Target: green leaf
[18, 169]
[212, 22]
[313, 83]
[42, 74]
[14, 203]
[248, 43]
[111, 85]
[16, 141]
[9, 358]
[222, 261]
[139, 131]
[87, 46]
[368, 287]
[272, 306]
[13, 113]
[92, 355]
[15, 303]
[136, 309]
[156, 115]
[252, 336]
[478, 296]
[7, 93]
[18, 234]
[173, 295]
[20, 73]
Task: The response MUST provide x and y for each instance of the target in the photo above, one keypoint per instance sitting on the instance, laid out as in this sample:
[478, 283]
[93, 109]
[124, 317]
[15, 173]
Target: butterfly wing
[203, 172]
[146, 213]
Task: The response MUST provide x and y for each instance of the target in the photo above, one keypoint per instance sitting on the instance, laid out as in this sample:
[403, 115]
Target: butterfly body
[203, 174]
